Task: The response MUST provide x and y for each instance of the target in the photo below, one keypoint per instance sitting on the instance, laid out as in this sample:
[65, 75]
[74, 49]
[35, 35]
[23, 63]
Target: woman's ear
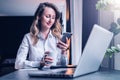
[38, 18]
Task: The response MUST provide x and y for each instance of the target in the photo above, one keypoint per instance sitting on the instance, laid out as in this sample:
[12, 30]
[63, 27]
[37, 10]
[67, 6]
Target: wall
[90, 17]
[23, 7]
[13, 28]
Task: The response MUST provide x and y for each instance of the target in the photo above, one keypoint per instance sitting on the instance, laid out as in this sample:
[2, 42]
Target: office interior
[77, 16]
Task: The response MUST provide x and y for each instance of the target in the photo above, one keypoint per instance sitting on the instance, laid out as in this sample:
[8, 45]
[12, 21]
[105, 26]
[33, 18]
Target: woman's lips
[49, 24]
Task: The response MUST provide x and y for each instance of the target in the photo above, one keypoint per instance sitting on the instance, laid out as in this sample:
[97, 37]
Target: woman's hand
[64, 46]
[46, 60]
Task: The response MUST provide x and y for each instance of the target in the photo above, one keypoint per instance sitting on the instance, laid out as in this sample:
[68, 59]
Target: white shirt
[36, 52]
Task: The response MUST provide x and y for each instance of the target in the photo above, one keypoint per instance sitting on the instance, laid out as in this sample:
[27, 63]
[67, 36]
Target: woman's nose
[50, 20]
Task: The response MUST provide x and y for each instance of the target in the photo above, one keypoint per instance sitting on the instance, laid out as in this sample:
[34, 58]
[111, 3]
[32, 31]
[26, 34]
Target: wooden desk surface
[100, 75]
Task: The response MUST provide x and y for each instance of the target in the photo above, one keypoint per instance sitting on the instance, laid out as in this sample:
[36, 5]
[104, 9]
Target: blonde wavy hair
[36, 25]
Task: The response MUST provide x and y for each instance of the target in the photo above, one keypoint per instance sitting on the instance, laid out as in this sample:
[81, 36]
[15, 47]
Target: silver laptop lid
[94, 50]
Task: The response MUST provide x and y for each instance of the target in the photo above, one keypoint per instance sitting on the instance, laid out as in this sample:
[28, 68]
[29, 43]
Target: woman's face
[48, 18]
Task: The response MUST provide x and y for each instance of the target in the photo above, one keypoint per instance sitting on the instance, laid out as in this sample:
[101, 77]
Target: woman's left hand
[64, 46]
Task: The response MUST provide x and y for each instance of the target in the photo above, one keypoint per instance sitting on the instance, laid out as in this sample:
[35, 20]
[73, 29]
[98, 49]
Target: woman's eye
[53, 17]
[48, 16]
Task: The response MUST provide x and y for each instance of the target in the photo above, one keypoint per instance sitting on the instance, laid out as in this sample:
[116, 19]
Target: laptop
[90, 60]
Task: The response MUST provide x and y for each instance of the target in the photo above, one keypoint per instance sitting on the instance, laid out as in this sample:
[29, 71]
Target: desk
[100, 75]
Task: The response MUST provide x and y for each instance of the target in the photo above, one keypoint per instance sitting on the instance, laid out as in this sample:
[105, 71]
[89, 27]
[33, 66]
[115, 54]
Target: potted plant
[111, 5]
[112, 50]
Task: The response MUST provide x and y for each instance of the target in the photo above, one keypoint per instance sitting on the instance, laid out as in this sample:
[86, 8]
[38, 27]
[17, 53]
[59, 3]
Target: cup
[53, 55]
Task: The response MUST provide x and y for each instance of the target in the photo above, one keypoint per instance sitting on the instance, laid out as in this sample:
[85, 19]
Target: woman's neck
[45, 33]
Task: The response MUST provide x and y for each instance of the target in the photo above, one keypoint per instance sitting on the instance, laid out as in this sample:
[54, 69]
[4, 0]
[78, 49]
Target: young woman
[43, 39]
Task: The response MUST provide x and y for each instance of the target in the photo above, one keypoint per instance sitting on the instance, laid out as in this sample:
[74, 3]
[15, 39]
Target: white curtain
[76, 29]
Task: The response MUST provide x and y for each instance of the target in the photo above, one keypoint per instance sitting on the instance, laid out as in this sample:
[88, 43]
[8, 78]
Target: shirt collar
[41, 36]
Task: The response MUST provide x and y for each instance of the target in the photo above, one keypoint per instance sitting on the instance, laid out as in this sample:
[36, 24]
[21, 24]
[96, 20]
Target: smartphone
[66, 34]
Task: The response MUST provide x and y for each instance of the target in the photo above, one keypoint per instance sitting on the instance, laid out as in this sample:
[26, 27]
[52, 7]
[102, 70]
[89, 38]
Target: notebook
[90, 60]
